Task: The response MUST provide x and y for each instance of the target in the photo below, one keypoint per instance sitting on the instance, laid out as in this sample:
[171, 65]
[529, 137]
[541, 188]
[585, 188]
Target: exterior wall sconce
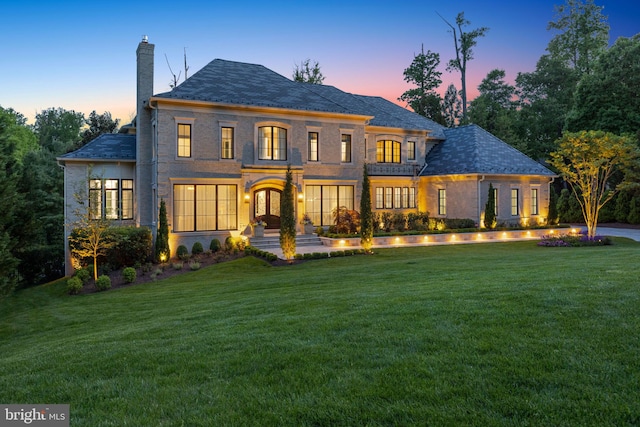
[300, 197]
[246, 198]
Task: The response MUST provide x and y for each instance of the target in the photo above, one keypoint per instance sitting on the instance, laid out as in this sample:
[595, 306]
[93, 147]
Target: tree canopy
[423, 73]
[308, 72]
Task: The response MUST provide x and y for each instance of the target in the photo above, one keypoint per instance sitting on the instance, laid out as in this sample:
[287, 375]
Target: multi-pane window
[111, 198]
[411, 150]
[534, 201]
[272, 143]
[313, 147]
[395, 197]
[442, 201]
[515, 209]
[345, 151]
[388, 152]
[495, 200]
[322, 200]
[184, 140]
[204, 207]
[227, 143]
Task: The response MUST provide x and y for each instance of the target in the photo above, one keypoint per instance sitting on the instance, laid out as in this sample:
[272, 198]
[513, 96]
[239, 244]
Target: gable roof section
[106, 147]
[238, 83]
[472, 150]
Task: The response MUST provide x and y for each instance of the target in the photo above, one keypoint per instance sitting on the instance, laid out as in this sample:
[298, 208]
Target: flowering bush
[259, 221]
[573, 240]
[306, 220]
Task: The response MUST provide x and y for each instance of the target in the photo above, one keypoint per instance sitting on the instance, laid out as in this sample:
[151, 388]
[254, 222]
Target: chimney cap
[145, 39]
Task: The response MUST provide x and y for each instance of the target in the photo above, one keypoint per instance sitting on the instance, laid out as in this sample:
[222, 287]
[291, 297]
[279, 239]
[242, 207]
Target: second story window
[184, 140]
[272, 143]
[411, 150]
[345, 152]
[111, 198]
[388, 152]
[227, 143]
[313, 146]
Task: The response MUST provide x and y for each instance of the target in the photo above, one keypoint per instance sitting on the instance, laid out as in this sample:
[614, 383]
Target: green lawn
[499, 334]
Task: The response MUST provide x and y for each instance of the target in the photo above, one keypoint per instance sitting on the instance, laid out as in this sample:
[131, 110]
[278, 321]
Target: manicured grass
[495, 334]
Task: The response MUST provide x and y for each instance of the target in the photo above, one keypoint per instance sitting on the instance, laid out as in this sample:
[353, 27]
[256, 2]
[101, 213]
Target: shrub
[74, 285]
[182, 252]
[234, 244]
[214, 246]
[129, 275]
[194, 265]
[103, 283]
[84, 275]
[197, 248]
[319, 230]
[459, 223]
[177, 265]
[398, 221]
[132, 245]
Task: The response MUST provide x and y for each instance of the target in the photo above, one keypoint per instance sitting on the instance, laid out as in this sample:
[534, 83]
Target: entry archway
[266, 205]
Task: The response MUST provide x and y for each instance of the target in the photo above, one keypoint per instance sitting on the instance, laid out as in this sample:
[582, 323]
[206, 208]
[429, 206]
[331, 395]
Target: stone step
[270, 241]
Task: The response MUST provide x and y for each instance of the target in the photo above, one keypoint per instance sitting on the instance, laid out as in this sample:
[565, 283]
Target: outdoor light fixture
[300, 197]
[246, 198]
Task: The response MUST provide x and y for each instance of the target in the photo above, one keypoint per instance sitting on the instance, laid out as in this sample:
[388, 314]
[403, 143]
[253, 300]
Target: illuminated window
[388, 198]
[345, 152]
[515, 208]
[111, 198]
[227, 143]
[388, 152]
[411, 150]
[442, 201]
[204, 207]
[495, 200]
[379, 197]
[184, 140]
[395, 197]
[534, 201]
[272, 143]
[313, 147]
[322, 200]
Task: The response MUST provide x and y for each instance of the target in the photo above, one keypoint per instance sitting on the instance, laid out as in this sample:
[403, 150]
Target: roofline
[489, 174]
[407, 131]
[257, 108]
[93, 160]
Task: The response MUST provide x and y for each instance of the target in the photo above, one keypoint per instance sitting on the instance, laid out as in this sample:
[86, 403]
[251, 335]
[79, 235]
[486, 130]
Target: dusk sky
[81, 55]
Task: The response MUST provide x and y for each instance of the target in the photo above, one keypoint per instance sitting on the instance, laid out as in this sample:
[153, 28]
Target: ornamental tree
[366, 216]
[162, 238]
[587, 160]
[490, 209]
[287, 219]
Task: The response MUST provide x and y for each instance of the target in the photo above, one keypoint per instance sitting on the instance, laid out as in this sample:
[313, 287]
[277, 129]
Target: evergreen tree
[623, 203]
[162, 238]
[287, 219]
[423, 99]
[490, 209]
[552, 216]
[366, 216]
[634, 211]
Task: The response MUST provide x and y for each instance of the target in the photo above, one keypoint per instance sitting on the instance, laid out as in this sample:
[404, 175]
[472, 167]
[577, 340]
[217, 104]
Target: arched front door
[266, 204]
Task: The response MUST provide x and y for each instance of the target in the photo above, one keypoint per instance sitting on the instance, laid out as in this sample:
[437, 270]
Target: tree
[287, 219]
[552, 218]
[584, 34]
[163, 252]
[494, 107]
[307, 72]
[587, 160]
[424, 74]
[90, 237]
[463, 47]
[366, 216]
[609, 97]
[490, 209]
[451, 107]
[99, 124]
[58, 130]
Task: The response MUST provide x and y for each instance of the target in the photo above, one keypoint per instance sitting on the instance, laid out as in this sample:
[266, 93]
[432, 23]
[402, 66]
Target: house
[216, 149]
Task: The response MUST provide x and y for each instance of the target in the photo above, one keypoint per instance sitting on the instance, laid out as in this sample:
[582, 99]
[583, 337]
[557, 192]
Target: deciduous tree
[308, 72]
[587, 160]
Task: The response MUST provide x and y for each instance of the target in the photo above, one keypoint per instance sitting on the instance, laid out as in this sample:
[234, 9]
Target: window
[514, 202]
[388, 152]
[111, 198]
[379, 197]
[442, 201]
[184, 140]
[227, 143]
[388, 198]
[321, 200]
[313, 146]
[495, 200]
[272, 143]
[204, 207]
[346, 149]
[395, 197]
[534, 201]
[411, 150]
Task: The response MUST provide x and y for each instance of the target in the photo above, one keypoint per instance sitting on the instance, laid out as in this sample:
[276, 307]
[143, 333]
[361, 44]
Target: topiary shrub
[197, 248]
[129, 274]
[182, 252]
[74, 285]
[103, 283]
[214, 246]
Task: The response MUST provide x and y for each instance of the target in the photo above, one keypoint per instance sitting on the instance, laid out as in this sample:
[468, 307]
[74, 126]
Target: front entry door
[266, 204]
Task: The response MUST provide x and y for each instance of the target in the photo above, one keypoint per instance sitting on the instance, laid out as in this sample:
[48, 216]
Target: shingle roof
[472, 150]
[239, 83]
[109, 146]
